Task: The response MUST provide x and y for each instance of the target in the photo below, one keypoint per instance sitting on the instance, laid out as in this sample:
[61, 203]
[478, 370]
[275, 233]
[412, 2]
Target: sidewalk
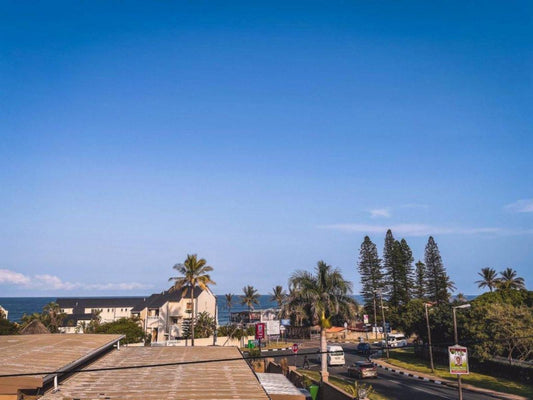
[431, 378]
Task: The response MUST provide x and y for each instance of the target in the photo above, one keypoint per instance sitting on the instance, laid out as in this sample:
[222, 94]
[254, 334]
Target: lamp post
[384, 324]
[426, 305]
[459, 385]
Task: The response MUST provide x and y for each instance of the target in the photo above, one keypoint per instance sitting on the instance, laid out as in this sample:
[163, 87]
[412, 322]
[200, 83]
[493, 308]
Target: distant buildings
[163, 316]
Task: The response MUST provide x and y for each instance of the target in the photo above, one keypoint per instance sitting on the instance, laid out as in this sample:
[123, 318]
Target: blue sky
[262, 136]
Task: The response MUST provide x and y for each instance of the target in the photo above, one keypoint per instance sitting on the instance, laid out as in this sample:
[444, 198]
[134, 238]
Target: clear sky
[262, 136]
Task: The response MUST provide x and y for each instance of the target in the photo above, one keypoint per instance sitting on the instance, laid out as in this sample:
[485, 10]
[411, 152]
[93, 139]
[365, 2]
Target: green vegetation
[123, 326]
[405, 358]
[249, 297]
[7, 327]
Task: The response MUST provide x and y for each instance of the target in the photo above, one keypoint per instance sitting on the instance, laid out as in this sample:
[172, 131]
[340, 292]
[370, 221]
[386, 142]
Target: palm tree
[509, 280]
[249, 297]
[194, 273]
[53, 316]
[279, 296]
[229, 304]
[488, 278]
[325, 293]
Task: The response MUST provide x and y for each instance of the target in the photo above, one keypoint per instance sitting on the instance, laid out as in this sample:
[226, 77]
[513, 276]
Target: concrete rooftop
[219, 380]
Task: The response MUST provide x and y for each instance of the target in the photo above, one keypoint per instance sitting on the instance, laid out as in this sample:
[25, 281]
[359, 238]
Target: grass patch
[405, 358]
[338, 382]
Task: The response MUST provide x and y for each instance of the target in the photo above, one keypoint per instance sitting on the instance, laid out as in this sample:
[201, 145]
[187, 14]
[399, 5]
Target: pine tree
[389, 260]
[369, 267]
[405, 273]
[438, 281]
[419, 288]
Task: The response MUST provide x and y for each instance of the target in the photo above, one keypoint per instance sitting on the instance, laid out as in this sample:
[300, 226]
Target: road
[389, 384]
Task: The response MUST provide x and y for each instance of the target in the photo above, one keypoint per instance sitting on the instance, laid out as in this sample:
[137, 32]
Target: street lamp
[426, 305]
[385, 333]
[459, 385]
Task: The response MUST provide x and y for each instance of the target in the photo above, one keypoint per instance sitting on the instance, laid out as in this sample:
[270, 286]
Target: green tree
[326, 294]
[369, 266]
[489, 278]
[401, 274]
[250, 297]
[389, 261]
[278, 295]
[194, 273]
[419, 288]
[229, 303]
[52, 317]
[510, 280]
[123, 326]
[438, 282]
[7, 327]
[204, 326]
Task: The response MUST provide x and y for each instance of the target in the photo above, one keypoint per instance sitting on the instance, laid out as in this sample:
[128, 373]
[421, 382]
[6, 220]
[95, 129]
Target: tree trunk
[192, 317]
[324, 356]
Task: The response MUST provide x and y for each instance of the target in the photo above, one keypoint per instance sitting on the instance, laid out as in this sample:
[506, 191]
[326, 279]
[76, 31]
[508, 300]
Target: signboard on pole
[295, 348]
[365, 319]
[458, 360]
[260, 330]
[272, 327]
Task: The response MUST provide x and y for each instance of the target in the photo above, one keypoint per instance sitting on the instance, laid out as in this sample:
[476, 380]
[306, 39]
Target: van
[397, 340]
[335, 355]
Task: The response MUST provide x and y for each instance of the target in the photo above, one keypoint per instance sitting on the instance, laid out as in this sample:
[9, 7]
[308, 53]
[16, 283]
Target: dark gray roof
[72, 319]
[158, 299]
[80, 303]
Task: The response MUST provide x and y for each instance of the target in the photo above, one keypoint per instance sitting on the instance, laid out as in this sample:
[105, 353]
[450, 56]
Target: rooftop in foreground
[212, 380]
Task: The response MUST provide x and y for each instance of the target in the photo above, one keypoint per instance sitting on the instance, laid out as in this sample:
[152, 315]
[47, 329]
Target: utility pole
[385, 333]
[459, 383]
[426, 305]
[375, 318]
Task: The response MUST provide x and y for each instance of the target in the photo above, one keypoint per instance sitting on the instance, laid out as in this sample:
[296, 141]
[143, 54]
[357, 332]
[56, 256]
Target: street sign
[295, 348]
[365, 319]
[458, 360]
[260, 330]
[272, 327]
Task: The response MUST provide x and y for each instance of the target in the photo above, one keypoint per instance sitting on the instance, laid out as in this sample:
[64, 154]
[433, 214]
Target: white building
[3, 312]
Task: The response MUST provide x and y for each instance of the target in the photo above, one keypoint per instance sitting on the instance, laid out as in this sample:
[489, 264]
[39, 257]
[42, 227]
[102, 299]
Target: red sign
[295, 348]
[260, 330]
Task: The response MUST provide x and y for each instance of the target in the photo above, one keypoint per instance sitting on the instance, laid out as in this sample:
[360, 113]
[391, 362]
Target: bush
[125, 326]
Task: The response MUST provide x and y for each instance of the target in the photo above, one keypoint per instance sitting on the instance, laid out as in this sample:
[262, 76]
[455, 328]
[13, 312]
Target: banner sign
[272, 327]
[260, 330]
[365, 319]
[458, 360]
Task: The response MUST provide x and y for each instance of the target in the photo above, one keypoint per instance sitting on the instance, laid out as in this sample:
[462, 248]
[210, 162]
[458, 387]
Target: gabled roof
[80, 303]
[159, 299]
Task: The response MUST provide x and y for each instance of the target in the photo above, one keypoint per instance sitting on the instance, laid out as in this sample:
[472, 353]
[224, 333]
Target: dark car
[363, 369]
[364, 348]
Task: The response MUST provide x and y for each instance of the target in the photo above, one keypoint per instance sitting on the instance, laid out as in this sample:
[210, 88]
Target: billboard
[458, 360]
[272, 327]
[260, 330]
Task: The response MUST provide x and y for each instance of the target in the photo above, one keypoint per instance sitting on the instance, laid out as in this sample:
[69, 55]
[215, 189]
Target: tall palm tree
[488, 279]
[325, 293]
[250, 297]
[194, 273]
[509, 280]
[53, 316]
[229, 303]
[279, 296]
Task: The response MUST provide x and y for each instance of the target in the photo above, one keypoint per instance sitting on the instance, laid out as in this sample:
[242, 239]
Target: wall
[221, 341]
[329, 392]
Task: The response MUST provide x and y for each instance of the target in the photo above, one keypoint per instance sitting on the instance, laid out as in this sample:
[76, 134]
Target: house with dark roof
[81, 310]
[165, 316]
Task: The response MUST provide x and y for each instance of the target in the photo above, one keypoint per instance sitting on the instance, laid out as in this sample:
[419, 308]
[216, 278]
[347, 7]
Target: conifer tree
[419, 288]
[405, 273]
[389, 261]
[369, 267]
[438, 282]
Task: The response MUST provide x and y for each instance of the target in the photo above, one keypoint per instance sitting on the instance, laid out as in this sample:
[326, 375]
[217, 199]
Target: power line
[151, 365]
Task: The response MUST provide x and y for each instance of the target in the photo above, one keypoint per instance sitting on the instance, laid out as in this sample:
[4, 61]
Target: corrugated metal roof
[277, 384]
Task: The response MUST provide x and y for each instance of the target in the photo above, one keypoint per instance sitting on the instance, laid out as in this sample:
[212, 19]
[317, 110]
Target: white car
[397, 340]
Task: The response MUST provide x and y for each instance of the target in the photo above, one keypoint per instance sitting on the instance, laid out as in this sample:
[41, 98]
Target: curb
[397, 371]
[282, 349]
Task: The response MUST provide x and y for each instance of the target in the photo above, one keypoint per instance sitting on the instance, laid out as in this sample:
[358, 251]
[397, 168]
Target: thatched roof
[33, 328]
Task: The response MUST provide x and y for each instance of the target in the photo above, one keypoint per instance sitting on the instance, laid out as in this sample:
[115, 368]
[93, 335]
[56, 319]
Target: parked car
[363, 369]
[364, 348]
[335, 355]
[397, 340]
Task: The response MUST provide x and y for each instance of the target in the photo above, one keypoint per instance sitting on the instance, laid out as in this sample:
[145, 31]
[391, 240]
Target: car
[397, 340]
[364, 348]
[363, 369]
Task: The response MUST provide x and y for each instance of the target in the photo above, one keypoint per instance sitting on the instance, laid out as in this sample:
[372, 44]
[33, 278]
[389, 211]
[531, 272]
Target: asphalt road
[389, 384]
